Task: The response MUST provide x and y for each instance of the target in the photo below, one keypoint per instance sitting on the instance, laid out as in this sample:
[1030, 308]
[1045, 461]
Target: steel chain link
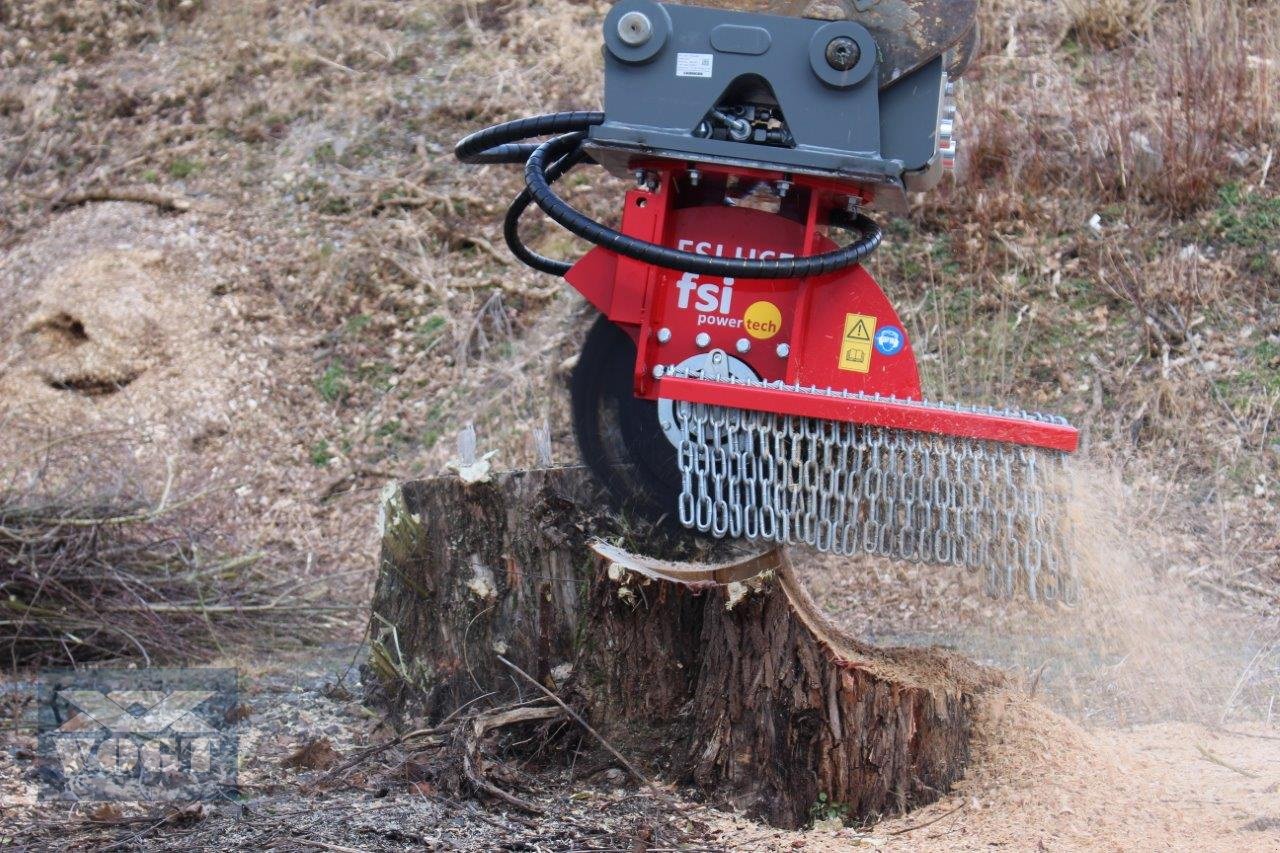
[848, 488]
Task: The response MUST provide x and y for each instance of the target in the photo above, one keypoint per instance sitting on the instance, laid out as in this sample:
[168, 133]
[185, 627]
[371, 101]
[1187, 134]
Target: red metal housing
[836, 332]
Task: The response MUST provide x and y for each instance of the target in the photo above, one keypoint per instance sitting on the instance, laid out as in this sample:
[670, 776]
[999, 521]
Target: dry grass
[120, 579]
[1110, 23]
[96, 569]
[1215, 73]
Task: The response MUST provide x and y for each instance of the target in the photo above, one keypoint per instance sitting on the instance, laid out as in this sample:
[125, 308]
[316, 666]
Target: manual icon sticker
[855, 345]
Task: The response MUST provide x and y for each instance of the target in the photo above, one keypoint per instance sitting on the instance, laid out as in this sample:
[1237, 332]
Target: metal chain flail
[848, 488]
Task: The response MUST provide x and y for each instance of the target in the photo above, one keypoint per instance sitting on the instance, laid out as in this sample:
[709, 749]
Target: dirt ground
[313, 299]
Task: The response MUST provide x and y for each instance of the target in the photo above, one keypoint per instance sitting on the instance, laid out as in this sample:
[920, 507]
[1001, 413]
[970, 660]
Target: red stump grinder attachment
[747, 375]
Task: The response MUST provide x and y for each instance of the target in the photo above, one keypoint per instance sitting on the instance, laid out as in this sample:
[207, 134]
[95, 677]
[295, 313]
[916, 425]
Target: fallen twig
[475, 732]
[1035, 680]
[139, 195]
[1209, 756]
[325, 845]
[595, 734]
[907, 829]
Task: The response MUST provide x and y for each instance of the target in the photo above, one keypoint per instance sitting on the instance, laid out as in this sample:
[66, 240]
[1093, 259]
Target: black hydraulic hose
[500, 143]
[511, 224]
[536, 177]
[545, 162]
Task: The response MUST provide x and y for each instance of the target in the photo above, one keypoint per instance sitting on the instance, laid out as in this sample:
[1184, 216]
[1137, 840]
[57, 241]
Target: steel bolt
[783, 350]
[664, 335]
[703, 340]
[635, 28]
[843, 53]
[783, 187]
[949, 155]
[717, 357]
[743, 346]
[658, 371]
[694, 177]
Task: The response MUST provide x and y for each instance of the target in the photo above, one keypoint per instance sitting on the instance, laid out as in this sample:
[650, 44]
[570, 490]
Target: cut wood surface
[722, 674]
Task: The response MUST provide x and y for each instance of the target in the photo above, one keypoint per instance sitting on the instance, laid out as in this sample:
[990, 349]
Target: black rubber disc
[618, 434]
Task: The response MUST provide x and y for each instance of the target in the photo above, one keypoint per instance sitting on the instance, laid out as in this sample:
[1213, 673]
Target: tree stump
[736, 684]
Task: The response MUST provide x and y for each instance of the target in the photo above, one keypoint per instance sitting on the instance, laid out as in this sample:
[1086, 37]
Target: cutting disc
[618, 434]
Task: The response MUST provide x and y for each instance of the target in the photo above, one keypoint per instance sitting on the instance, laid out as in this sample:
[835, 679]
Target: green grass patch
[321, 453]
[184, 167]
[324, 153]
[332, 384]
[378, 374]
[1248, 220]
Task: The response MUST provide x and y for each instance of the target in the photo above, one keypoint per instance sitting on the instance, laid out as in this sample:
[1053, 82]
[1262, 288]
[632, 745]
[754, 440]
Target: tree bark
[737, 684]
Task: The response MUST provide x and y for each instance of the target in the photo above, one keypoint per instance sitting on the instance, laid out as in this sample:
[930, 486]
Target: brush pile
[115, 578]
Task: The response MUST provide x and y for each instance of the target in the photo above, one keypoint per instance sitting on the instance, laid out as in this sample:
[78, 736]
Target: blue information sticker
[889, 340]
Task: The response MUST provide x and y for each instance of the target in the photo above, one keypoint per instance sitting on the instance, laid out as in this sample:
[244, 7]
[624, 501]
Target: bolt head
[664, 335]
[783, 350]
[703, 340]
[782, 188]
[743, 345]
[949, 155]
[635, 28]
[843, 53]
[717, 357]
[694, 177]
[658, 371]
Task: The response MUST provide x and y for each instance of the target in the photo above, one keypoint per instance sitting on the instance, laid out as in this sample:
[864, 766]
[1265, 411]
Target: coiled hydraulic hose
[547, 161]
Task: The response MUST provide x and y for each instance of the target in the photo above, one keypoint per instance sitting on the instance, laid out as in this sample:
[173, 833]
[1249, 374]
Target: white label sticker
[694, 64]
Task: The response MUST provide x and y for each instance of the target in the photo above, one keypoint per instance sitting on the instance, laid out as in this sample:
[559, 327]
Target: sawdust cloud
[1141, 637]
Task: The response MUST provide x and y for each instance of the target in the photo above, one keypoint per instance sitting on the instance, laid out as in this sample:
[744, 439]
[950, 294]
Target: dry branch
[155, 196]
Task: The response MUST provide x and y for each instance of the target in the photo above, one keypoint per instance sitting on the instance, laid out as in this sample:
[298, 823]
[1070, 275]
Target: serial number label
[694, 64]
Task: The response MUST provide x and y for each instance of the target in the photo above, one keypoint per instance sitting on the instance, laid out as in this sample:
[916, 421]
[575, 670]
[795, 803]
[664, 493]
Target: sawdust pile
[1038, 781]
[100, 324]
[131, 342]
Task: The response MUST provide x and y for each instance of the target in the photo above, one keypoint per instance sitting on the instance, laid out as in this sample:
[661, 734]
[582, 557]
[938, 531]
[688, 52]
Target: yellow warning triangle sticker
[858, 332]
